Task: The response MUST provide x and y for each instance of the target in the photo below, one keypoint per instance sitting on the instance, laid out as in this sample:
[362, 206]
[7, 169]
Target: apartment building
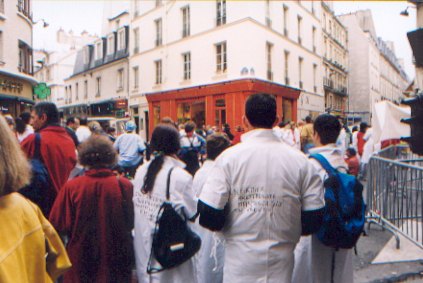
[98, 85]
[368, 66]
[16, 80]
[335, 61]
[52, 66]
[199, 60]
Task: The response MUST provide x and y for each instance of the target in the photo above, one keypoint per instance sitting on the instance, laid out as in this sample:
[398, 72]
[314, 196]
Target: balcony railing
[327, 82]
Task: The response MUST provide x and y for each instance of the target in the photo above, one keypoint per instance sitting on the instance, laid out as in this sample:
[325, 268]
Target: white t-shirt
[210, 258]
[146, 207]
[28, 131]
[82, 133]
[313, 260]
[266, 184]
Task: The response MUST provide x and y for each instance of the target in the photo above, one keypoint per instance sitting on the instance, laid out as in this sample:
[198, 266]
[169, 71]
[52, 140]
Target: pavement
[378, 259]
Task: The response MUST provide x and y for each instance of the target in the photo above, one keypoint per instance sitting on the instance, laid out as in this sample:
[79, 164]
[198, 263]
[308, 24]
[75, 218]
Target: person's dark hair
[281, 124]
[97, 152]
[363, 127]
[260, 110]
[328, 128]
[83, 121]
[51, 111]
[216, 144]
[189, 126]
[351, 151]
[308, 119]
[70, 120]
[20, 125]
[111, 130]
[227, 131]
[26, 117]
[164, 141]
[354, 129]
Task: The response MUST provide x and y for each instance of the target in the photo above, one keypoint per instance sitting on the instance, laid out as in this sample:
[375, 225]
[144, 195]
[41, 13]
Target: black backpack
[173, 241]
[36, 191]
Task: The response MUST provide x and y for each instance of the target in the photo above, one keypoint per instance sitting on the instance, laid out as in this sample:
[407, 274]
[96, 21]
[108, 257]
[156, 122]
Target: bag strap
[37, 146]
[323, 161]
[168, 184]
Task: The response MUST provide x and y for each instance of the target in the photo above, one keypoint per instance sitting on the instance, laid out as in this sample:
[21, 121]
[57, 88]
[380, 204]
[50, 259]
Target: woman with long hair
[25, 234]
[150, 192]
[23, 127]
[95, 212]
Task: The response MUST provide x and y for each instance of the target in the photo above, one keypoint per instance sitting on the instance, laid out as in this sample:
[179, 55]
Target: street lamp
[45, 24]
[405, 13]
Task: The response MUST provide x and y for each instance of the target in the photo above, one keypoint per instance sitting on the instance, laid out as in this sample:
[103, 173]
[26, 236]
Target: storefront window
[184, 113]
[220, 113]
[156, 114]
[287, 110]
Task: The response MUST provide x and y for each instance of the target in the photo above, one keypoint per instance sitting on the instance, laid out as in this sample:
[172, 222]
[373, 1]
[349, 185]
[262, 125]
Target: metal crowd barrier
[395, 193]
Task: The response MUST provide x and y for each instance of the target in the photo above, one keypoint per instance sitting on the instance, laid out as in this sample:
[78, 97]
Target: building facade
[368, 69]
[335, 62]
[16, 69]
[180, 50]
[54, 65]
[98, 86]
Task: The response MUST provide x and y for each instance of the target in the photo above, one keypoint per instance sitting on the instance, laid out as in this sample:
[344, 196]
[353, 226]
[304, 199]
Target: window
[286, 67]
[70, 94]
[25, 58]
[158, 3]
[110, 45]
[136, 40]
[313, 34]
[300, 72]
[120, 79]
[136, 79]
[76, 92]
[47, 74]
[66, 94]
[158, 32]
[85, 89]
[221, 63]
[86, 55]
[98, 50]
[185, 21]
[24, 7]
[158, 64]
[1, 46]
[324, 22]
[268, 20]
[299, 19]
[136, 7]
[187, 65]
[220, 12]
[269, 47]
[117, 24]
[285, 20]
[1, 6]
[315, 77]
[98, 87]
[121, 39]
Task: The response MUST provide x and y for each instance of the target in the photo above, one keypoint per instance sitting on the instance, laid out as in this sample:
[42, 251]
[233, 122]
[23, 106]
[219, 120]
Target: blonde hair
[15, 171]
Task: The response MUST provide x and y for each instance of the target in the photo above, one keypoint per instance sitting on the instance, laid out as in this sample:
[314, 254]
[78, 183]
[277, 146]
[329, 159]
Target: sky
[80, 15]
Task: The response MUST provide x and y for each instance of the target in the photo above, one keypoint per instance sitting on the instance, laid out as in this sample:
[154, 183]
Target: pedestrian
[95, 212]
[352, 161]
[313, 260]
[210, 258]
[130, 147]
[23, 126]
[368, 151]
[25, 233]
[307, 135]
[297, 135]
[111, 133]
[227, 131]
[354, 137]
[192, 146]
[83, 132]
[95, 128]
[150, 192]
[360, 138]
[264, 195]
[72, 125]
[57, 149]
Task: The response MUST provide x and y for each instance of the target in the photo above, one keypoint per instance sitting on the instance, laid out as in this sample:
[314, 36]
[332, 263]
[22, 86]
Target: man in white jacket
[209, 259]
[264, 195]
[313, 260]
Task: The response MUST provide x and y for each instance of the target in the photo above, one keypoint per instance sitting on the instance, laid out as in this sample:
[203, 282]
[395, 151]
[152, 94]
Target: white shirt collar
[259, 134]
[174, 161]
[329, 148]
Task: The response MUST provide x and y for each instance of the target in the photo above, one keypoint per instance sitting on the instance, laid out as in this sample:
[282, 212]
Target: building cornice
[33, 81]
[101, 67]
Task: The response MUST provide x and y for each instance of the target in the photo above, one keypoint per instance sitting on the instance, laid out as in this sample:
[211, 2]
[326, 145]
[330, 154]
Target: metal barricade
[395, 193]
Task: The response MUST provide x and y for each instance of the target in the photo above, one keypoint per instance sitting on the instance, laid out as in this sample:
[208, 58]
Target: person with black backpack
[192, 146]
[326, 256]
[163, 202]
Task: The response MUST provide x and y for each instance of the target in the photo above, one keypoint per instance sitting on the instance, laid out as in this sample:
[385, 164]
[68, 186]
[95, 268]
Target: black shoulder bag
[173, 241]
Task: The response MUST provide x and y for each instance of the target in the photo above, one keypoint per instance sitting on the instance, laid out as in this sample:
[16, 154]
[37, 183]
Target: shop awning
[17, 98]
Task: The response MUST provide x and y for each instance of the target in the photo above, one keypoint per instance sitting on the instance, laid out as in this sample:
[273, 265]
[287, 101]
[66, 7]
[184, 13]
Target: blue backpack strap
[325, 164]
[37, 146]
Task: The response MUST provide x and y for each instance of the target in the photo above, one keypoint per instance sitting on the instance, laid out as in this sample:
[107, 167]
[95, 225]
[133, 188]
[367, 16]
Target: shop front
[15, 95]
[218, 104]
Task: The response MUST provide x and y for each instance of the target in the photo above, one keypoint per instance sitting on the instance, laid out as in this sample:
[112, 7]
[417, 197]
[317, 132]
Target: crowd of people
[253, 196]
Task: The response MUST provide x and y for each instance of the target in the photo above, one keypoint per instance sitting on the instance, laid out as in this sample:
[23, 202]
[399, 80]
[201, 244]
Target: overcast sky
[79, 15]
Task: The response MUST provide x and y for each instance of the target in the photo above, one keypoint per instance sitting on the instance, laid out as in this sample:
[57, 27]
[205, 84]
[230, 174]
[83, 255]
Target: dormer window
[110, 44]
[86, 55]
[121, 39]
[99, 50]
